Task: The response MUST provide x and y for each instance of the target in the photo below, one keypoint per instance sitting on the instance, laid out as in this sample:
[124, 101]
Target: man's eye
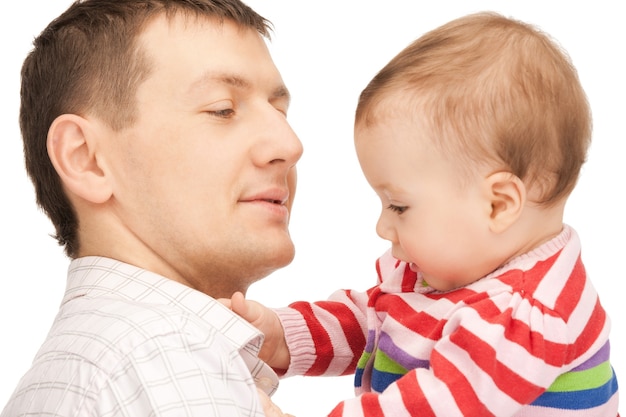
[224, 113]
[397, 209]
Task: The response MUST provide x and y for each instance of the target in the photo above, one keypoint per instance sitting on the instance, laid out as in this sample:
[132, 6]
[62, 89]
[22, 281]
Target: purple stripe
[400, 356]
[371, 340]
[601, 356]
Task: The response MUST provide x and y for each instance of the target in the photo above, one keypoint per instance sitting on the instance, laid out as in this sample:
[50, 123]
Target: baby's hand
[257, 314]
[274, 350]
[269, 408]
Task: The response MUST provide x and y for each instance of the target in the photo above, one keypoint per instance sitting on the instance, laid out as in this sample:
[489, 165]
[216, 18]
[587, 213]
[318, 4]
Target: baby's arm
[321, 338]
[274, 351]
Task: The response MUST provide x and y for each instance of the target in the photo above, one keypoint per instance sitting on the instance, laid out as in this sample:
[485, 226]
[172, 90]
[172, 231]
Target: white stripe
[439, 396]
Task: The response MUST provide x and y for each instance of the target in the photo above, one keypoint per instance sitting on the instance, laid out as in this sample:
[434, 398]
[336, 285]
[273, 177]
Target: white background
[327, 51]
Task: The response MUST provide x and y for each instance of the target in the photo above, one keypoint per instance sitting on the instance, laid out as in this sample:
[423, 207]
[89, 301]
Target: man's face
[205, 178]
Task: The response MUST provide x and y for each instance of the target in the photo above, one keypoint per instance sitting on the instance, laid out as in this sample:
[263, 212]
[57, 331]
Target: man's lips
[274, 196]
[272, 202]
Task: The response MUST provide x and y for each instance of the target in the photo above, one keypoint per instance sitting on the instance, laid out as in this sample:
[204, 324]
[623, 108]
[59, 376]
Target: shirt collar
[96, 276]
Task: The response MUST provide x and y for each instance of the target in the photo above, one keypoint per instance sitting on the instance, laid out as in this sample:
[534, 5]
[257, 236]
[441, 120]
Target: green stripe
[582, 380]
[363, 360]
[384, 363]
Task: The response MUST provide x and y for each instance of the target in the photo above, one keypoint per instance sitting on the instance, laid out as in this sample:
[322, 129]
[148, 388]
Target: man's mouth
[278, 196]
[275, 201]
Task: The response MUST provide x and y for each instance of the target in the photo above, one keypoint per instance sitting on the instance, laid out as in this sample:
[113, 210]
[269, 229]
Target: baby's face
[434, 219]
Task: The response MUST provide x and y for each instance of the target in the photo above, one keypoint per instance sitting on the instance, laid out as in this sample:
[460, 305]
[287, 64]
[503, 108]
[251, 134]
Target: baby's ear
[72, 147]
[507, 196]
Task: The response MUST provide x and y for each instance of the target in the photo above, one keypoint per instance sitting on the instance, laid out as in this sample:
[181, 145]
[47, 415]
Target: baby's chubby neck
[536, 225]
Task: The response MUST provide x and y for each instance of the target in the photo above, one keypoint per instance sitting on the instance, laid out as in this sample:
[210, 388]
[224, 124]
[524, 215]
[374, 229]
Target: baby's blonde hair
[494, 90]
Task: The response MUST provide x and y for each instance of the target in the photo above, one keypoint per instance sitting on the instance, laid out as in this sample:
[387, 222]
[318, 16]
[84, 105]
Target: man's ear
[71, 144]
[507, 196]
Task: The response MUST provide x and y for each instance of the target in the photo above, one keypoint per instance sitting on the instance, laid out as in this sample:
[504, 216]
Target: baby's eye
[397, 209]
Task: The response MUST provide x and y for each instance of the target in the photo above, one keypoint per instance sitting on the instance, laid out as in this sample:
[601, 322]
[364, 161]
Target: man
[155, 134]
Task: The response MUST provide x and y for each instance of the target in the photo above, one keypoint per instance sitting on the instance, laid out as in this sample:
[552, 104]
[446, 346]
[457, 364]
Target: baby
[473, 138]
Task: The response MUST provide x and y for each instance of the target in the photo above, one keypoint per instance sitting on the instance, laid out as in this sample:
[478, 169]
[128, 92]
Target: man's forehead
[178, 22]
[210, 53]
[191, 42]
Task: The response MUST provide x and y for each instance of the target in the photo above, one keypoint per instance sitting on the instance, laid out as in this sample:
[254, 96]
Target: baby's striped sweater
[530, 339]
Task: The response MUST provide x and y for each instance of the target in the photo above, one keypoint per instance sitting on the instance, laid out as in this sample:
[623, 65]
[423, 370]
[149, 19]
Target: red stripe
[459, 386]
[461, 294]
[529, 280]
[590, 333]
[321, 339]
[533, 341]
[418, 321]
[324, 351]
[413, 397]
[520, 333]
[351, 329]
[372, 296]
[571, 293]
[378, 272]
[409, 279]
[485, 306]
[552, 353]
[371, 406]
[337, 411]
[484, 356]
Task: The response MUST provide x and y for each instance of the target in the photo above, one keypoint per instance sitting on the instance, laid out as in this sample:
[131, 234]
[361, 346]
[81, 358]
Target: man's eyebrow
[211, 77]
[280, 92]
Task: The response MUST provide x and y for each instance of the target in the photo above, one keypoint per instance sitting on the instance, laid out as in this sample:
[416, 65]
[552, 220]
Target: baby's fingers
[249, 310]
[269, 408]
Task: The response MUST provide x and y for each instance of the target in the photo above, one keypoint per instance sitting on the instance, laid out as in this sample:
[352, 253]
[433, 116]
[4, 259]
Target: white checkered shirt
[127, 342]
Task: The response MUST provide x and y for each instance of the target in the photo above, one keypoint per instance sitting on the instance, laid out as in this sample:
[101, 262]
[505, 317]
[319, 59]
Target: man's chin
[267, 257]
[281, 257]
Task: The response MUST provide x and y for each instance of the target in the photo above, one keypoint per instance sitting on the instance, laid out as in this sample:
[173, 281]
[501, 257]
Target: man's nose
[279, 143]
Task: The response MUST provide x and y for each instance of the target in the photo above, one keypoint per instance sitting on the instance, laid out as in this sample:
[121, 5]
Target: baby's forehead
[406, 99]
[396, 113]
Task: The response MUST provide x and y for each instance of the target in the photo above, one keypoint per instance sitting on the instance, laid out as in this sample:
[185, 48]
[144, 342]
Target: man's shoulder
[101, 328]
[97, 344]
